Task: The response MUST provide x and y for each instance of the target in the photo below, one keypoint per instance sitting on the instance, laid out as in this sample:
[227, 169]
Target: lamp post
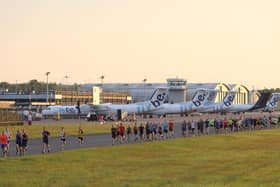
[16, 87]
[102, 78]
[66, 79]
[47, 74]
[144, 83]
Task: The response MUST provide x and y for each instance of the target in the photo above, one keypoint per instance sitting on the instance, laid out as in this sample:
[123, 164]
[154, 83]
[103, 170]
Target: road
[98, 140]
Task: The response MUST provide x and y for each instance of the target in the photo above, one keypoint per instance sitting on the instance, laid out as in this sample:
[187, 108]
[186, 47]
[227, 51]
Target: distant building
[123, 93]
[36, 101]
[179, 90]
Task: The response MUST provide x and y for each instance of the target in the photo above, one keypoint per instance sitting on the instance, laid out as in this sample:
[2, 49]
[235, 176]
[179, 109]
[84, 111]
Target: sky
[126, 41]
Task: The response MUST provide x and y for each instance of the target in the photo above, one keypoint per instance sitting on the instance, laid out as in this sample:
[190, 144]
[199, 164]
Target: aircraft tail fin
[229, 98]
[200, 98]
[212, 94]
[158, 97]
[272, 102]
[261, 103]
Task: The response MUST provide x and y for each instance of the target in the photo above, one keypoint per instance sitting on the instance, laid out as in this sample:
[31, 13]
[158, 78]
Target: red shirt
[122, 129]
[225, 123]
[171, 125]
[4, 139]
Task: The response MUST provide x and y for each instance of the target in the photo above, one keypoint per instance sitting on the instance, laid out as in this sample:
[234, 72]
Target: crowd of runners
[22, 138]
[158, 129]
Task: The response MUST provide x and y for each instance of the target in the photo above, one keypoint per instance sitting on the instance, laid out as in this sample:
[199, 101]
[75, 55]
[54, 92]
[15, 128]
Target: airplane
[201, 97]
[261, 103]
[67, 110]
[157, 99]
[271, 105]
[219, 107]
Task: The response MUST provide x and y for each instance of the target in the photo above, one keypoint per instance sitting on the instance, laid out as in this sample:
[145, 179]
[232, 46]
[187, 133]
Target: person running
[46, 145]
[135, 132]
[217, 126]
[128, 133]
[184, 128]
[225, 125]
[154, 130]
[122, 131]
[18, 142]
[147, 128]
[29, 118]
[160, 132]
[114, 134]
[193, 124]
[24, 142]
[9, 136]
[80, 135]
[165, 129]
[62, 138]
[151, 131]
[198, 127]
[141, 132]
[171, 128]
[118, 133]
[4, 144]
[207, 126]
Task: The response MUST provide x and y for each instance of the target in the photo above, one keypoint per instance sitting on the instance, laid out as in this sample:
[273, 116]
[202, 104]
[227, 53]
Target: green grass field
[241, 159]
[35, 131]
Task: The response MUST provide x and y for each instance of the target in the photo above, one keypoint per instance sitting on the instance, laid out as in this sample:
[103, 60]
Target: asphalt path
[90, 141]
[101, 140]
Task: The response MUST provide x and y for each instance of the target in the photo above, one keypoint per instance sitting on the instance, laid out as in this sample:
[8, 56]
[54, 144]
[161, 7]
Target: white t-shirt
[8, 134]
[62, 134]
[193, 125]
[29, 117]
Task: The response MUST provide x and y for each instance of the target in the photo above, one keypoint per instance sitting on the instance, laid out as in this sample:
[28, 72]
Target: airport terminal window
[177, 83]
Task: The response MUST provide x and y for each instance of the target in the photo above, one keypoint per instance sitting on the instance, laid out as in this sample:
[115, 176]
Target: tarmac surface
[101, 140]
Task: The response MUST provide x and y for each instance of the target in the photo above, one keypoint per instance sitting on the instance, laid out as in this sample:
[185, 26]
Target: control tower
[177, 90]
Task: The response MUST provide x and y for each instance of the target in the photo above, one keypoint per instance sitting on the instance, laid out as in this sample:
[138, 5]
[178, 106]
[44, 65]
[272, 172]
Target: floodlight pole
[47, 74]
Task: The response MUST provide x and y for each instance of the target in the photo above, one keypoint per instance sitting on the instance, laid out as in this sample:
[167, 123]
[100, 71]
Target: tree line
[35, 86]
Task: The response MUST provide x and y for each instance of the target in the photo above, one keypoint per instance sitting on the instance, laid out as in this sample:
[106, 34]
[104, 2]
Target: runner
[184, 128]
[154, 130]
[18, 142]
[171, 128]
[165, 129]
[30, 118]
[193, 124]
[160, 133]
[122, 131]
[4, 144]
[141, 132]
[135, 132]
[128, 133]
[62, 138]
[207, 126]
[45, 135]
[24, 146]
[80, 135]
[114, 134]
[147, 128]
[9, 136]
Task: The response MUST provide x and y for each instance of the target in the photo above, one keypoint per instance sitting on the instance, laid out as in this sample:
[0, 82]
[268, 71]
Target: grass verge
[241, 159]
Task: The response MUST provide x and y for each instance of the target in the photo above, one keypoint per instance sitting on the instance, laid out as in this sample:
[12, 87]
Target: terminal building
[38, 101]
[179, 90]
